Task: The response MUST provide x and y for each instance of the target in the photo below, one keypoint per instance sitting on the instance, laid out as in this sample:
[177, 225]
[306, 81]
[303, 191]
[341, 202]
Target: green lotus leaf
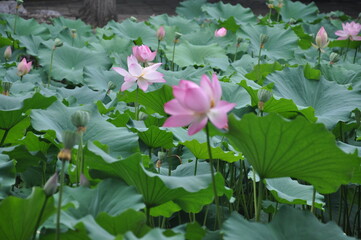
[222, 11]
[7, 175]
[299, 149]
[101, 200]
[180, 24]
[191, 9]
[98, 79]
[343, 74]
[155, 137]
[200, 151]
[299, 11]
[286, 190]
[121, 141]
[25, 27]
[191, 193]
[289, 223]
[133, 31]
[281, 42]
[69, 62]
[331, 102]
[23, 213]
[130, 220]
[188, 54]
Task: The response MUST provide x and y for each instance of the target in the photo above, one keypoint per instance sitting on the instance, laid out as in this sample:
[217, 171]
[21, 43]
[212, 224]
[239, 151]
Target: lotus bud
[19, 2]
[133, 19]
[73, 33]
[57, 43]
[69, 140]
[321, 39]
[264, 39]
[84, 182]
[160, 33]
[51, 185]
[292, 21]
[6, 88]
[263, 96]
[7, 53]
[334, 57]
[80, 119]
[220, 32]
[158, 164]
[177, 36]
[24, 67]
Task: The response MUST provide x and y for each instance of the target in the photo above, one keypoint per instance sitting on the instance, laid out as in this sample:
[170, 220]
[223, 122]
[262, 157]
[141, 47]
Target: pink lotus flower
[143, 53]
[194, 105]
[143, 76]
[160, 33]
[321, 39]
[24, 67]
[220, 32]
[8, 53]
[349, 31]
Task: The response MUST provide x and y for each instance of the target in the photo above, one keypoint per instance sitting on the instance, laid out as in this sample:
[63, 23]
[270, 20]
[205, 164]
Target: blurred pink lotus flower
[7, 53]
[24, 67]
[143, 76]
[193, 105]
[143, 53]
[220, 32]
[160, 33]
[349, 31]
[321, 39]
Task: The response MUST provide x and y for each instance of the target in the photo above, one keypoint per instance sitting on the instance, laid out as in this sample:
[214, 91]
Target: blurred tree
[98, 12]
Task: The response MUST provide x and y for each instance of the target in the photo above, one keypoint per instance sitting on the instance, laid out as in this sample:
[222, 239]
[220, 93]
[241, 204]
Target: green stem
[147, 213]
[259, 64]
[62, 176]
[136, 104]
[354, 56]
[80, 151]
[39, 217]
[173, 56]
[170, 166]
[329, 206]
[260, 198]
[16, 18]
[205, 216]
[4, 137]
[51, 66]
[278, 16]
[195, 167]
[319, 57]
[158, 49]
[213, 178]
[270, 13]
[235, 53]
[347, 47]
[313, 200]
[255, 195]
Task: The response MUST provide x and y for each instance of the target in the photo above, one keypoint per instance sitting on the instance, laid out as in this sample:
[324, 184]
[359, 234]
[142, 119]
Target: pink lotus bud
[160, 33]
[220, 32]
[51, 185]
[321, 38]
[143, 53]
[24, 67]
[8, 53]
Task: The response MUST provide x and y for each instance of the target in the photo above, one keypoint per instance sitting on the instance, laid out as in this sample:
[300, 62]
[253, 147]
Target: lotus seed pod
[263, 96]
[84, 182]
[51, 185]
[73, 33]
[177, 36]
[133, 19]
[6, 88]
[80, 119]
[69, 139]
[58, 43]
[111, 85]
[264, 39]
[7, 53]
[334, 57]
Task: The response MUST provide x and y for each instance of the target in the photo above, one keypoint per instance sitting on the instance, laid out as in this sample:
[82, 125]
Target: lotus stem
[313, 200]
[195, 167]
[16, 19]
[51, 65]
[354, 56]
[62, 177]
[255, 195]
[211, 162]
[319, 57]
[347, 47]
[136, 104]
[39, 217]
[4, 137]
[80, 158]
[173, 55]
[260, 199]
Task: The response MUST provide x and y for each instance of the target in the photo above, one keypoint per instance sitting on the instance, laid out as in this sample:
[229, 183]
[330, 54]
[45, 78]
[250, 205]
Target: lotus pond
[211, 124]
